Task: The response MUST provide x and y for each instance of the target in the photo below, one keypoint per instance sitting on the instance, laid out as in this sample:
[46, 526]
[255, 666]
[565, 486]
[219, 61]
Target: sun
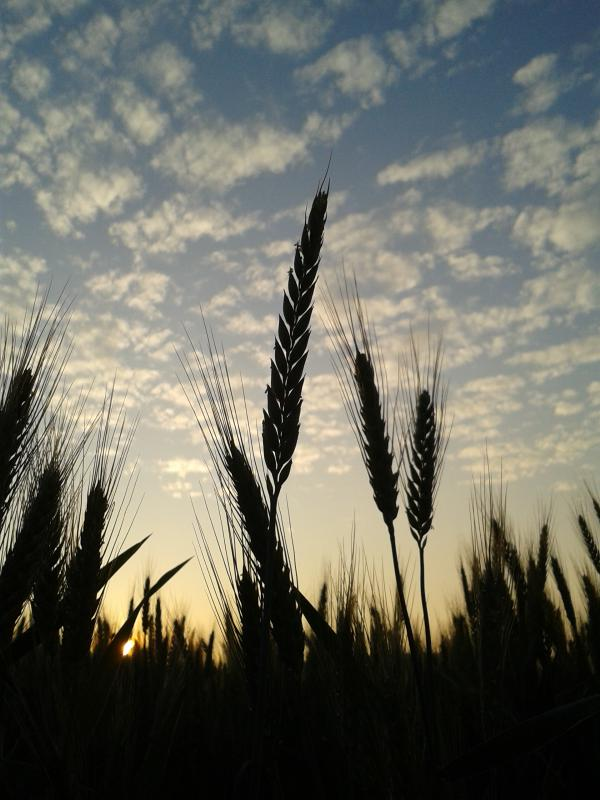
[128, 647]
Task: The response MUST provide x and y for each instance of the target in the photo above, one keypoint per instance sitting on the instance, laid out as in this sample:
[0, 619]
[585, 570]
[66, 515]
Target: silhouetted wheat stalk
[362, 379]
[81, 597]
[589, 541]
[425, 440]
[211, 393]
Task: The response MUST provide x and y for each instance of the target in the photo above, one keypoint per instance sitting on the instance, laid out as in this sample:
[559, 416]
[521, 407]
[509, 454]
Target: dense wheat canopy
[159, 158]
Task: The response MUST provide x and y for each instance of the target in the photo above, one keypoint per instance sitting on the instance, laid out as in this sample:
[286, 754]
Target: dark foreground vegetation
[344, 698]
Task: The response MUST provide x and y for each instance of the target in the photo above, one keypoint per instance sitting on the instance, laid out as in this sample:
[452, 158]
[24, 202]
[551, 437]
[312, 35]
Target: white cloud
[245, 323]
[541, 154]
[571, 289]
[95, 43]
[293, 29]
[439, 164]
[452, 17]
[139, 290]
[167, 68]
[222, 302]
[453, 225]
[30, 78]
[593, 391]
[141, 115]
[175, 223]
[219, 155]
[480, 405]
[212, 18]
[355, 68]
[290, 28]
[525, 457]
[405, 47]
[473, 266]
[20, 276]
[567, 409]
[540, 82]
[559, 359]
[183, 467]
[34, 19]
[78, 194]
[572, 227]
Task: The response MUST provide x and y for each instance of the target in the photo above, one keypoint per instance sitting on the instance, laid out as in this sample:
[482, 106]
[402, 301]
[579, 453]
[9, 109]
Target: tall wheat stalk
[425, 440]
[363, 383]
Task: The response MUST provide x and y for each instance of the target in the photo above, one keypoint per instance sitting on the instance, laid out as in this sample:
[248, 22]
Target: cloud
[213, 17]
[593, 392]
[167, 68]
[280, 27]
[541, 154]
[219, 155]
[480, 406]
[183, 467]
[95, 42]
[452, 17]
[560, 359]
[453, 225]
[567, 409]
[531, 456]
[294, 29]
[175, 223]
[439, 164]
[405, 47]
[571, 289]
[139, 290]
[34, 20]
[355, 68]
[30, 79]
[244, 323]
[141, 116]
[572, 227]
[222, 302]
[79, 194]
[20, 276]
[540, 83]
[473, 266]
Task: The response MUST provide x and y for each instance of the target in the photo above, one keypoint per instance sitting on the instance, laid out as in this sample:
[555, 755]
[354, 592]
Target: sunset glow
[128, 647]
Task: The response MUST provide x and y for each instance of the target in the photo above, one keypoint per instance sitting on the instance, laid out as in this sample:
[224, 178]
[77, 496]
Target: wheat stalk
[590, 542]
[281, 418]
[24, 561]
[565, 592]
[363, 384]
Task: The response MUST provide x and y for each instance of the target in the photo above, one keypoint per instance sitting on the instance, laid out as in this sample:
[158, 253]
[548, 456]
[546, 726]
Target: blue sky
[159, 156]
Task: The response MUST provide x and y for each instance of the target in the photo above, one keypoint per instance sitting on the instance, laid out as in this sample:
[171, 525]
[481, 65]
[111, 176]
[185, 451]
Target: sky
[157, 158]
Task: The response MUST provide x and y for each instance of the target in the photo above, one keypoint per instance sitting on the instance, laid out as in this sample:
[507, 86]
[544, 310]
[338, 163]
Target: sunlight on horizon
[128, 647]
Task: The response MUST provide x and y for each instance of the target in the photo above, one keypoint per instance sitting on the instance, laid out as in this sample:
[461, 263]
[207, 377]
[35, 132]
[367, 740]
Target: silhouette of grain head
[281, 418]
[362, 378]
[424, 436]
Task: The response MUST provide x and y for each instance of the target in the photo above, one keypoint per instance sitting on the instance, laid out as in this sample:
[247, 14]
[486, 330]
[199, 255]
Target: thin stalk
[412, 644]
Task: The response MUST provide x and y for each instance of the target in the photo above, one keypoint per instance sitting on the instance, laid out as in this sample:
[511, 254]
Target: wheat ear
[25, 558]
[590, 542]
[281, 418]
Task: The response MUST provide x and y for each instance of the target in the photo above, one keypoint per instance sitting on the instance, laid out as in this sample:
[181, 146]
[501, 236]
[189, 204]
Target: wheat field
[347, 694]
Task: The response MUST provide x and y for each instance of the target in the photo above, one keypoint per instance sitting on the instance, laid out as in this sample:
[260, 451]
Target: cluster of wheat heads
[61, 519]
[402, 441]
[402, 445]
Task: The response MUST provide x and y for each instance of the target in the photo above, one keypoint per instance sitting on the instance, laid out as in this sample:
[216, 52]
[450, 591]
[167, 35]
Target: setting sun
[128, 647]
